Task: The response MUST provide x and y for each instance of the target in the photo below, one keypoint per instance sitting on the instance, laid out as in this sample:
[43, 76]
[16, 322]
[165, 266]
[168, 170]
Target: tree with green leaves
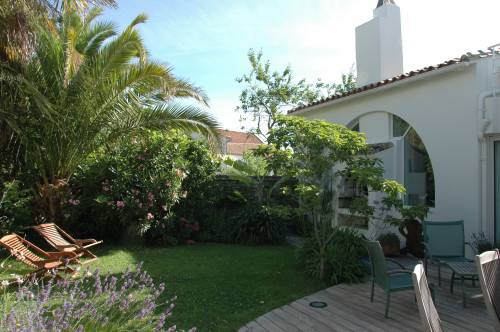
[86, 85]
[320, 155]
[268, 94]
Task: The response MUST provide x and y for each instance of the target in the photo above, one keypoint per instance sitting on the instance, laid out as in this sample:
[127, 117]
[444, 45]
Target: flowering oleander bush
[95, 302]
[134, 187]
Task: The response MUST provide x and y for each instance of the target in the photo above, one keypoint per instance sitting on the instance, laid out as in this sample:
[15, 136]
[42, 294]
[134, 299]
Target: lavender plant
[94, 302]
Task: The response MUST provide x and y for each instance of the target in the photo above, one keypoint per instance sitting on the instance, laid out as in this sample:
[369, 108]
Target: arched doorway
[415, 163]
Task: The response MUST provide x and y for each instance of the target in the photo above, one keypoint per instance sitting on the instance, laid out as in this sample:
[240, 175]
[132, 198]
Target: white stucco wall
[442, 109]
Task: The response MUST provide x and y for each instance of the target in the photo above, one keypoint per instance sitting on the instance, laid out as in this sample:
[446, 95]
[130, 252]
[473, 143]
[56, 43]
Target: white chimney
[379, 49]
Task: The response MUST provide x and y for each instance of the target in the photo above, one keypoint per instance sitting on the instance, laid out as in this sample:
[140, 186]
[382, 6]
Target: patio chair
[444, 242]
[64, 242]
[428, 313]
[31, 255]
[389, 280]
[488, 267]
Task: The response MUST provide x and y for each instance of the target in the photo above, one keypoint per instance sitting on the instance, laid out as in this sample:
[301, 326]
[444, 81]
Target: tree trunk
[49, 200]
[322, 263]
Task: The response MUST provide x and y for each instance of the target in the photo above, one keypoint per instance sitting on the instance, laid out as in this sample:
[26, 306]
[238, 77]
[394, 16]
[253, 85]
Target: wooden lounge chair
[33, 256]
[428, 313]
[488, 267]
[64, 242]
[389, 280]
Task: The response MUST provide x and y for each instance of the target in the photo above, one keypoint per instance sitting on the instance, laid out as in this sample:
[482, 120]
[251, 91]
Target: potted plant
[410, 227]
[480, 243]
[390, 243]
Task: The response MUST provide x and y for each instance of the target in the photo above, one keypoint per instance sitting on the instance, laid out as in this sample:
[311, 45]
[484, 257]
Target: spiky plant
[86, 85]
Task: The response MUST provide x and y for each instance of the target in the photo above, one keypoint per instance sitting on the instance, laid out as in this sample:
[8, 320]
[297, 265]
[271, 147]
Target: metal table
[463, 271]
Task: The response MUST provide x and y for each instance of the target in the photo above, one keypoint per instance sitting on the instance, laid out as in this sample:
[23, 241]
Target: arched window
[418, 176]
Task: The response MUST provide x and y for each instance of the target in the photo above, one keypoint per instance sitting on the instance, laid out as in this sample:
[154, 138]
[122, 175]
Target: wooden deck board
[349, 309]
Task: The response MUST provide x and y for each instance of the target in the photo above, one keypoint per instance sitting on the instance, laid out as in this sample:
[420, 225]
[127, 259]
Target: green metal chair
[444, 242]
[389, 280]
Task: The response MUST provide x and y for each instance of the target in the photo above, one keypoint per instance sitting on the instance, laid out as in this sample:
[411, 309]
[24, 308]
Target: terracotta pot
[390, 249]
[412, 231]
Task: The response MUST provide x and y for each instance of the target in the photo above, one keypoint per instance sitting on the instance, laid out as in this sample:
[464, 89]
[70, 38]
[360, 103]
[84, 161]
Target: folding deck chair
[64, 242]
[31, 255]
[428, 313]
[488, 267]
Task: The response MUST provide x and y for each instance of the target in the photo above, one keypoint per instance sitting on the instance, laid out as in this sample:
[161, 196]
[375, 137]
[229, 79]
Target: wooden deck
[349, 309]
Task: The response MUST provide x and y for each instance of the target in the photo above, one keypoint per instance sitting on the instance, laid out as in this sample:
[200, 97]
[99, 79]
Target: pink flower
[150, 216]
[74, 202]
[120, 204]
[151, 196]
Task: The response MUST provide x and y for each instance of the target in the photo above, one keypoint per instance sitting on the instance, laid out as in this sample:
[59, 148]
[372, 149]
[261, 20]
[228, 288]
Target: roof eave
[399, 83]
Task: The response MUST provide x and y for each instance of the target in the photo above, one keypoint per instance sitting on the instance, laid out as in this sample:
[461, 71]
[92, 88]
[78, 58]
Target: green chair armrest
[399, 272]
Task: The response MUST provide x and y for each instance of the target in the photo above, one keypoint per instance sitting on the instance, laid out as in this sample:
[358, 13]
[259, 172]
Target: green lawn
[219, 287]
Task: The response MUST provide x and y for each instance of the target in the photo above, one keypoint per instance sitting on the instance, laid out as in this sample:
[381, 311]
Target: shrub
[480, 243]
[135, 188]
[15, 209]
[193, 211]
[343, 257]
[260, 225]
[126, 302]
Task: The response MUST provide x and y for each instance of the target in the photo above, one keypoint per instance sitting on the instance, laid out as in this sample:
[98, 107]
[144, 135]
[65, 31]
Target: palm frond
[190, 119]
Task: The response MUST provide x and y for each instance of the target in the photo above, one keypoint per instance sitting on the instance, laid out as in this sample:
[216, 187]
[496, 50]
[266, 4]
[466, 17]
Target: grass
[219, 287]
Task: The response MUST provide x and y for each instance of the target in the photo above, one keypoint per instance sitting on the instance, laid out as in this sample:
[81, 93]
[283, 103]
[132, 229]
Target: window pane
[497, 191]
[418, 173]
[399, 126]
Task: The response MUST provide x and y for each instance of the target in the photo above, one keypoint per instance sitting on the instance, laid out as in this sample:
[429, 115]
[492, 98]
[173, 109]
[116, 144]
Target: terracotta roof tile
[240, 148]
[239, 137]
[464, 58]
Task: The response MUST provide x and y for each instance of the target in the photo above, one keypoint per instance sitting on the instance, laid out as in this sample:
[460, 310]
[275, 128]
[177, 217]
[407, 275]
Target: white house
[236, 143]
[441, 123]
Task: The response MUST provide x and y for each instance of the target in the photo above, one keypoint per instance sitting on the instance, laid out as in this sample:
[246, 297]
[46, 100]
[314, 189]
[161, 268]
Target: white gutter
[484, 123]
[418, 77]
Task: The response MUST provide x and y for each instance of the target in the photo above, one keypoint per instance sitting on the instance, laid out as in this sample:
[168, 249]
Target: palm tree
[17, 19]
[85, 85]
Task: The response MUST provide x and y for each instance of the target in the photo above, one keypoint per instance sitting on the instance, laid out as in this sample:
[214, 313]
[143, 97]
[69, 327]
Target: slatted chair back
[53, 234]
[488, 267]
[428, 313]
[444, 238]
[20, 248]
[378, 263]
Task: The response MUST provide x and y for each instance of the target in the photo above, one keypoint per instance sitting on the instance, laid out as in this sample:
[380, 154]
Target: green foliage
[268, 94]
[343, 257]
[86, 85]
[320, 154]
[263, 218]
[136, 187]
[15, 209]
[260, 224]
[201, 166]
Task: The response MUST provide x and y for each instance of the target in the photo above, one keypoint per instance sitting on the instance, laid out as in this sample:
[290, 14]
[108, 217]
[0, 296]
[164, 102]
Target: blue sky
[206, 41]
